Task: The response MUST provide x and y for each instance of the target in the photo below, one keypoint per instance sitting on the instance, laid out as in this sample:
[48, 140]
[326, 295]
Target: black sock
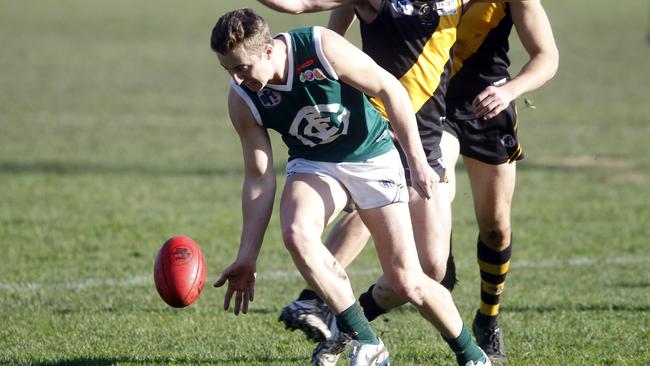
[450, 279]
[370, 308]
[308, 294]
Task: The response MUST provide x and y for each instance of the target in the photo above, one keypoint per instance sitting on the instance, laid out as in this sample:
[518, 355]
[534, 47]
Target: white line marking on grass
[275, 275]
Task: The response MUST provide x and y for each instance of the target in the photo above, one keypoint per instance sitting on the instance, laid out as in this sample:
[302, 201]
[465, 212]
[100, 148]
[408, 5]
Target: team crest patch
[311, 75]
[320, 124]
[269, 98]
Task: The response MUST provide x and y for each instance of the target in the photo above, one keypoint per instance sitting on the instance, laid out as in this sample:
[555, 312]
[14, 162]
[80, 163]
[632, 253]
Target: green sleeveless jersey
[319, 117]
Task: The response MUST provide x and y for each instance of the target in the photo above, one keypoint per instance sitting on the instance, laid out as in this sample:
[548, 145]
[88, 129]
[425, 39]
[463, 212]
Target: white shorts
[371, 183]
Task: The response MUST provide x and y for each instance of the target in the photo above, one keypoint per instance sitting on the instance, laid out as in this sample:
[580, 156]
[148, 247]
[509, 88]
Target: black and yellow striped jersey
[480, 56]
[413, 40]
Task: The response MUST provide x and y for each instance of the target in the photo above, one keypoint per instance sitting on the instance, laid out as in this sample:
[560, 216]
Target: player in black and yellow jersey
[481, 125]
[414, 41]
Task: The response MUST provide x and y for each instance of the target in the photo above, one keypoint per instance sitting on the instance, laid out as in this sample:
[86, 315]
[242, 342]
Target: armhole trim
[321, 56]
[247, 99]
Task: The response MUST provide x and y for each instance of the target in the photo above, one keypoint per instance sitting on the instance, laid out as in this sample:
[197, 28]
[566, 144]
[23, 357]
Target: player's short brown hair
[241, 26]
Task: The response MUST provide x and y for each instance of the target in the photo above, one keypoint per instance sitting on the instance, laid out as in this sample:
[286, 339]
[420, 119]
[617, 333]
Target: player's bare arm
[358, 70]
[341, 19]
[534, 30]
[258, 192]
[307, 6]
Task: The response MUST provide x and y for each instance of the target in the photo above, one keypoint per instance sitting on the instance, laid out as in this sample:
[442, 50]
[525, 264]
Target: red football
[179, 271]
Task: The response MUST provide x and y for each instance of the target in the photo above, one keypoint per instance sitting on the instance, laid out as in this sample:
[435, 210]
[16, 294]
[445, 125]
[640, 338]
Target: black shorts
[492, 141]
[430, 138]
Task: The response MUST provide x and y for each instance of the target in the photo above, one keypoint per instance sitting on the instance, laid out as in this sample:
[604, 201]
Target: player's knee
[435, 269]
[295, 238]
[409, 289]
[496, 234]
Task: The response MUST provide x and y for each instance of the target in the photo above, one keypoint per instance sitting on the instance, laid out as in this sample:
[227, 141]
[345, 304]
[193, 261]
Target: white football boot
[369, 354]
[486, 361]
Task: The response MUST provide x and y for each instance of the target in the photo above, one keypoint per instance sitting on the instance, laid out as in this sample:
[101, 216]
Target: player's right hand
[241, 283]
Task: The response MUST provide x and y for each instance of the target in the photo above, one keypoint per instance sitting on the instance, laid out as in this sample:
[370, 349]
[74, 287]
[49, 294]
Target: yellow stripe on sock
[491, 288]
[488, 309]
[495, 269]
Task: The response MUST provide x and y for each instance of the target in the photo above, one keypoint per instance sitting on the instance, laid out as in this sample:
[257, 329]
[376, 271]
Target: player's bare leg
[347, 238]
[450, 148]
[308, 313]
[390, 228]
[493, 188]
[308, 204]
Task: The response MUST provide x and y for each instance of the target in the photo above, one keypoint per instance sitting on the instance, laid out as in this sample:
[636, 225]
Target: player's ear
[268, 51]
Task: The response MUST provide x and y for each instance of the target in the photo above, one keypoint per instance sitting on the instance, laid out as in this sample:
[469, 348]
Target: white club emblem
[313, 124]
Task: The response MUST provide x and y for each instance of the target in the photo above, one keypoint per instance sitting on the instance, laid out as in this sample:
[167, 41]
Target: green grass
[114, 137]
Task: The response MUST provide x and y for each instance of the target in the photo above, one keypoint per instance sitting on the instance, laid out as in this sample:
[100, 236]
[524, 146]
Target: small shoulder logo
[269, 98]
[305, 65]
[311, 75]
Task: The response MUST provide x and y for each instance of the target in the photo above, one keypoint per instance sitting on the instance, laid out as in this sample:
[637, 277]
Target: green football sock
[465, 348]
[353, 322]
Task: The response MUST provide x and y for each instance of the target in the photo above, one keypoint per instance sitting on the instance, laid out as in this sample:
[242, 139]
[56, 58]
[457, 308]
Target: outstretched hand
[241, 283]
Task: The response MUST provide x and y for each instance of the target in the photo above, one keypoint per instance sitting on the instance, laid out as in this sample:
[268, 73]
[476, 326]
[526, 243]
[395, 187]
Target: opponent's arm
[536, 35]
[258, 193]
[304, 6]
[358, 70]
[341, 19]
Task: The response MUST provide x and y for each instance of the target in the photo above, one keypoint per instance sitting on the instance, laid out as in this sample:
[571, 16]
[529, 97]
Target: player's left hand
[492, 101]
[241, 283]
[423, 179]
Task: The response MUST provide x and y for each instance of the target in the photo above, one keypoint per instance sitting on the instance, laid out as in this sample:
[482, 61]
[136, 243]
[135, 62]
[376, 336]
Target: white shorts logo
[314, 125]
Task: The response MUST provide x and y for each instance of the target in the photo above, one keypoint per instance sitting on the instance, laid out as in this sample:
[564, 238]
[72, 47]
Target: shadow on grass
[634, 308]
[83, 168]
[105, 361]
[87, 168]
[631, 308]
[64, 311]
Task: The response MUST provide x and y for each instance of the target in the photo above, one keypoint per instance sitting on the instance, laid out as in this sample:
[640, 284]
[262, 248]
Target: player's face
[247, 68]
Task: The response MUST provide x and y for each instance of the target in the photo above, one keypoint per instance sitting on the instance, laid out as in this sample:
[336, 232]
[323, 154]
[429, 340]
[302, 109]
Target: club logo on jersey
[311, 75]
[269, 98]
[508, 141]
[425, 9]
[320, 124]
[446, 7]
[404, 7]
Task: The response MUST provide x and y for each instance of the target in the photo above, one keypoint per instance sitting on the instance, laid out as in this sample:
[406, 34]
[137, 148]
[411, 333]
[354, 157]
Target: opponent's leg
[493, 187]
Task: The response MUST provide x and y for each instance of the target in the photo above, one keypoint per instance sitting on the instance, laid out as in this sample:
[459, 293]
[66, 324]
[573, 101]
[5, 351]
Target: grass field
[114, 137]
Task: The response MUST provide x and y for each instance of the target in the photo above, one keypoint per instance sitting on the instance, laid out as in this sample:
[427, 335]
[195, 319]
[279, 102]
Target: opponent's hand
[423, 179]
[241, 283]
[492, 101]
